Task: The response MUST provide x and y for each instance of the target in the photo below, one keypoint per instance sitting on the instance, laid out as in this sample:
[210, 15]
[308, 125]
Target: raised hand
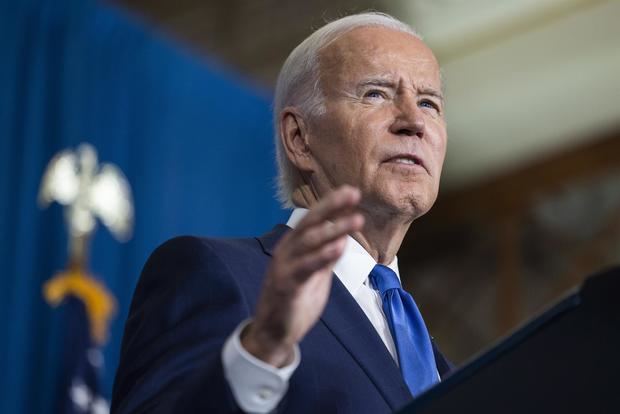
[298, 280]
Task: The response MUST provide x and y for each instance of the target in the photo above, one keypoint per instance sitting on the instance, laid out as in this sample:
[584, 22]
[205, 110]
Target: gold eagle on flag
[88, 191]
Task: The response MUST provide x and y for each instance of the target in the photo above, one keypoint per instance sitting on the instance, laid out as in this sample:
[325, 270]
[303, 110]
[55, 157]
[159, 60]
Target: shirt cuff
[257, 386]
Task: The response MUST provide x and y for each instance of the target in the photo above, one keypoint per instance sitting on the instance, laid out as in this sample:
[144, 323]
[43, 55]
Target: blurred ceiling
[524, 79]
[253, 36]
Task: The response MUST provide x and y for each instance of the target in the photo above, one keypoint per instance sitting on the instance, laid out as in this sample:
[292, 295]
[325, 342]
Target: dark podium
[565, 361]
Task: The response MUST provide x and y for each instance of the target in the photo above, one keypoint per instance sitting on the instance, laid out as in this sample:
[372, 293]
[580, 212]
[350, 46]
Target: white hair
[298, 83]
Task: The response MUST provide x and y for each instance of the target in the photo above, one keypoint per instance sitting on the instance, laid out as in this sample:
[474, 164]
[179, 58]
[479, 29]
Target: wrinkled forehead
[378, 52]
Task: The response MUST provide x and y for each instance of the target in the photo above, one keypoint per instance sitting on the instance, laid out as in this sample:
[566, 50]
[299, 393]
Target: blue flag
[86, 309]
[82, 363]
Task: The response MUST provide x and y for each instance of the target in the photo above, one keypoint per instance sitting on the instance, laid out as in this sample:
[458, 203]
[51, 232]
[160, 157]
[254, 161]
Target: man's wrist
[266, 349]
[257, 386]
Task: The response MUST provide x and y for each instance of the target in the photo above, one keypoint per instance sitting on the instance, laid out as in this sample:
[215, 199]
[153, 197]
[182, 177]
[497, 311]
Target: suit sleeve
[185, 305]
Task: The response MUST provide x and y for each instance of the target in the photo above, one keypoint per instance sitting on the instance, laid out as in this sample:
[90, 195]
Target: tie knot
[383, 278]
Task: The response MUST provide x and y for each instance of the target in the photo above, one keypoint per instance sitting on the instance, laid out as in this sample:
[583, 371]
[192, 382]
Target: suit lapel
[444, 366]
[347, 322]
[268, 240]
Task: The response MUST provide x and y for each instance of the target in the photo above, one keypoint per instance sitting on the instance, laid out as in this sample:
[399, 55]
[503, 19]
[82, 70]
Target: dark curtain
[194, 140]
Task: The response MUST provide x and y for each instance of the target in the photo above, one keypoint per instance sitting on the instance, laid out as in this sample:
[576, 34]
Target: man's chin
[415, 205]
[401, 207]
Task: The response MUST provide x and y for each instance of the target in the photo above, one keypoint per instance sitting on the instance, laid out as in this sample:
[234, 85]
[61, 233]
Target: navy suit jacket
[192, 294]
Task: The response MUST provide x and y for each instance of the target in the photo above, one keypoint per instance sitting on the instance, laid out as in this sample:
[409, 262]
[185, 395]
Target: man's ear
[294, 138]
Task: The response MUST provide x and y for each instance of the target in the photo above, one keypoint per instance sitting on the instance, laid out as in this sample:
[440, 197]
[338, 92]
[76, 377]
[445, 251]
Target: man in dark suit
[311, 316]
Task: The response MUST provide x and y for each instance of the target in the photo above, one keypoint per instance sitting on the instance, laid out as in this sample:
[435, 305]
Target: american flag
[82, 364]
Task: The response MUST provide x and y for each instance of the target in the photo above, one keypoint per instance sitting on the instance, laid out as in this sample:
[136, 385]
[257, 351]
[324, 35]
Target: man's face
[383, 129]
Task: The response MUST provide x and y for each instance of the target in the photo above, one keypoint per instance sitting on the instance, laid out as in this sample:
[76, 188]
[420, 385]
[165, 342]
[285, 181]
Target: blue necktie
[413, 343]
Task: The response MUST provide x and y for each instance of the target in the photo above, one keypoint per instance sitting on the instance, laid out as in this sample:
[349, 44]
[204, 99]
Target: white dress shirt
[257, 386]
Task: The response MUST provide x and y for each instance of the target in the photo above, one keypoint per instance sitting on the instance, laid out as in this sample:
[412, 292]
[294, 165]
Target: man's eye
[374, 94]
[429, 104]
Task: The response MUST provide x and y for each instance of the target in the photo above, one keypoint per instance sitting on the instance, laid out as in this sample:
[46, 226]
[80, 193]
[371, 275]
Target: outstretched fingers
[319, 240]
[306, 265]
[321, 235]
[297, 282]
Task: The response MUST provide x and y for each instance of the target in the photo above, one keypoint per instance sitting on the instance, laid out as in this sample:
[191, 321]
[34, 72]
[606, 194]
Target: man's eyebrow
[431, 92]
[384, 82]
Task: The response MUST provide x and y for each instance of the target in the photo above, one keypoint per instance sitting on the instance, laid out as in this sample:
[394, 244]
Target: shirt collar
[354, 265]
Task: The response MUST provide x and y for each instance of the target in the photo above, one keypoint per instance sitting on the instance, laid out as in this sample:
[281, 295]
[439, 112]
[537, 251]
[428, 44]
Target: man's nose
[409, 120]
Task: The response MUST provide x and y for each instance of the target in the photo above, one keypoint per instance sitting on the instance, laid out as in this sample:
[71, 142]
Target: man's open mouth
[407, 159]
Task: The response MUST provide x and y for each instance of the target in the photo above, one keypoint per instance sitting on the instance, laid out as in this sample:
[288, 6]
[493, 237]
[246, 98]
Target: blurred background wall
[178, 94]
[193, 138]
